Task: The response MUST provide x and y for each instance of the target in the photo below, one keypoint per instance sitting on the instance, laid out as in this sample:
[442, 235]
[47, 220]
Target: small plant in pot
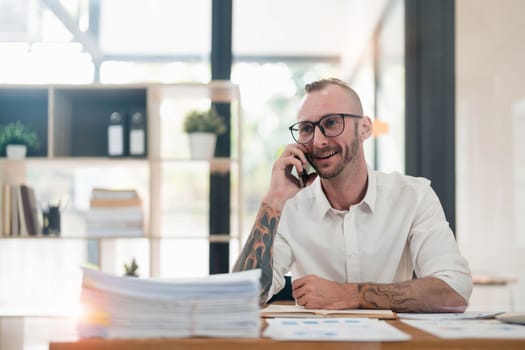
[16, 139]
[203, 127]
[131, 269]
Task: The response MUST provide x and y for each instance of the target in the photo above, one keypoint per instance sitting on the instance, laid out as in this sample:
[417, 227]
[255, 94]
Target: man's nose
[319, 136]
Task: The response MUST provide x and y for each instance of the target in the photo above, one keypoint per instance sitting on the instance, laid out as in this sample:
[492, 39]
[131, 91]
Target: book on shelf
[6, 210]
[22, 227]
[108, 193]
[115, 224]
[35, 211]
[2, 232]
[19, 214]
[15, 230]
[97, 232]
[1, 208]
[30, 211]
[115, 213]
[115, 202]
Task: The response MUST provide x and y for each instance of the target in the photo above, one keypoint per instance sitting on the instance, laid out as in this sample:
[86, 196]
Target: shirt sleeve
[282, 260]
[434, 249]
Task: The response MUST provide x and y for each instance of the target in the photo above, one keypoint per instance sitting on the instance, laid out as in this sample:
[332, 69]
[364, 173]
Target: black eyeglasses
[331, 125]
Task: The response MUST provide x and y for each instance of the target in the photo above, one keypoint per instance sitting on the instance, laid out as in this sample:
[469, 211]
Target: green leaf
[17, 134]
[204, 121]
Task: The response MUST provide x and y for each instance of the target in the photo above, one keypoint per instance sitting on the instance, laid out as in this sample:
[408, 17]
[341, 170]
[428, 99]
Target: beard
[350, 155]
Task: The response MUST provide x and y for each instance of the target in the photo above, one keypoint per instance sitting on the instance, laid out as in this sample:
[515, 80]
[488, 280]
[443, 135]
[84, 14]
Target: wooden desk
[420, 340]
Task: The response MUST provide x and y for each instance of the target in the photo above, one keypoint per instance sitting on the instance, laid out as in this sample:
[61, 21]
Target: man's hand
[258, 249]
[314, 292]
[428, 294]
[283, 184]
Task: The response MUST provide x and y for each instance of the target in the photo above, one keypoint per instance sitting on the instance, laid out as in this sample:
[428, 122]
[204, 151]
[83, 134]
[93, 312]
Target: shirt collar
[371, 191]
[323, 205]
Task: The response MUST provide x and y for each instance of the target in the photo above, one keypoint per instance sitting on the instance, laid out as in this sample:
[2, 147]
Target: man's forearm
[258, 250]
[421, 295]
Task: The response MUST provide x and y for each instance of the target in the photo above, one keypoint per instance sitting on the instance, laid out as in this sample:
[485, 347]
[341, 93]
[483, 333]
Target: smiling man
[352, 237]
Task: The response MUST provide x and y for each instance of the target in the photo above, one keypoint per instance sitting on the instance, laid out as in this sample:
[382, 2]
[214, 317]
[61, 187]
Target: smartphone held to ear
[304, 177]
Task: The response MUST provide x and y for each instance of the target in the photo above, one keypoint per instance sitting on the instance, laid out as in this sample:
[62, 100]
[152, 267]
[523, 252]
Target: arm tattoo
[427, 294]
[258, 250]
[397, 296]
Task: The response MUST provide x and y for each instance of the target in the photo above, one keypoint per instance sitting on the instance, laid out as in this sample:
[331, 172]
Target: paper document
[224, 305]
[277, 310]
[462, 329]
[512, 317]
[333, 329]
[449, 316]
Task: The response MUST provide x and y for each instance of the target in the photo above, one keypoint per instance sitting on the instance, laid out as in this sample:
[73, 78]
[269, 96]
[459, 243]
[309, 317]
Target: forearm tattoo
[258, 250]
[427, 294]
[397, 296]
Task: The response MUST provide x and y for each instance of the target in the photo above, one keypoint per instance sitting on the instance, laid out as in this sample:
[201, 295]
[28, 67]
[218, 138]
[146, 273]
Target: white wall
[490, 129]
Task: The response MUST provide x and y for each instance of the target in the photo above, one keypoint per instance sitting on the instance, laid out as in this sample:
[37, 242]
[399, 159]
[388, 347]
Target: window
[390, 102]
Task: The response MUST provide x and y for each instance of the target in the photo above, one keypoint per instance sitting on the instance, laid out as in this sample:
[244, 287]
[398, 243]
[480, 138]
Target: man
[351, 236]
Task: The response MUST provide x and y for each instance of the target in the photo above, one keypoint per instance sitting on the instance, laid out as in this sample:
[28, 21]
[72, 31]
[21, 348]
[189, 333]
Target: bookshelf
[71, 122]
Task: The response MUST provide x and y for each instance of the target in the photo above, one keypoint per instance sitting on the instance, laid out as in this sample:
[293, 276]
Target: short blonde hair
[322, 83]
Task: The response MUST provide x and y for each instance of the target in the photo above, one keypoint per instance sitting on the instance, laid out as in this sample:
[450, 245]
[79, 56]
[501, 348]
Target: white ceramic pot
[202, 145]
[16, 151]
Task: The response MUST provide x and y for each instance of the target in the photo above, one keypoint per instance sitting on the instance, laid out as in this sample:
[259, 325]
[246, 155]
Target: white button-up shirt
[398, 228]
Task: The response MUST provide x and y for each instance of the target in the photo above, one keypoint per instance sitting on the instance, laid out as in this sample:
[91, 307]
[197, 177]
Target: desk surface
[420, 340]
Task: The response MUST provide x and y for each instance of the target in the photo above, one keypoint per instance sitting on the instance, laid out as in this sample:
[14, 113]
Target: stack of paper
[126, 307]
[115, 213]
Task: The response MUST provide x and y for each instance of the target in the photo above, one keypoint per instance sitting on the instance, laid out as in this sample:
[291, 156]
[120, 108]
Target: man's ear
[366, 127]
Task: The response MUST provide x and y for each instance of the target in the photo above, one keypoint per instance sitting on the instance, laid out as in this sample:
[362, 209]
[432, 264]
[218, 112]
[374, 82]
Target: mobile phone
[304, 174]
[304, 177]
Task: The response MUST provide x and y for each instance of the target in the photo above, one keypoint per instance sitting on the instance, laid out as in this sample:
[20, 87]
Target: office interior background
[446, 78]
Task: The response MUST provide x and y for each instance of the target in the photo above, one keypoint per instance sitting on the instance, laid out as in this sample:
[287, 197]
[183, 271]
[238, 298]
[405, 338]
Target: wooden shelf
[72, 121]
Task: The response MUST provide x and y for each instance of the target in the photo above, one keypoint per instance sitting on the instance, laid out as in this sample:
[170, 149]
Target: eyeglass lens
[330, 125]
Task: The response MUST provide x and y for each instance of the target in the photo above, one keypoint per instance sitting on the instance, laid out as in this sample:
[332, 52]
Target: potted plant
[203, 127]
[16, 139]
[131, 269]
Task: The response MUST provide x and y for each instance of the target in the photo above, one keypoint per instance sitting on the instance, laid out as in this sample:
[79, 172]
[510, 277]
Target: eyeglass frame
[318, 124]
